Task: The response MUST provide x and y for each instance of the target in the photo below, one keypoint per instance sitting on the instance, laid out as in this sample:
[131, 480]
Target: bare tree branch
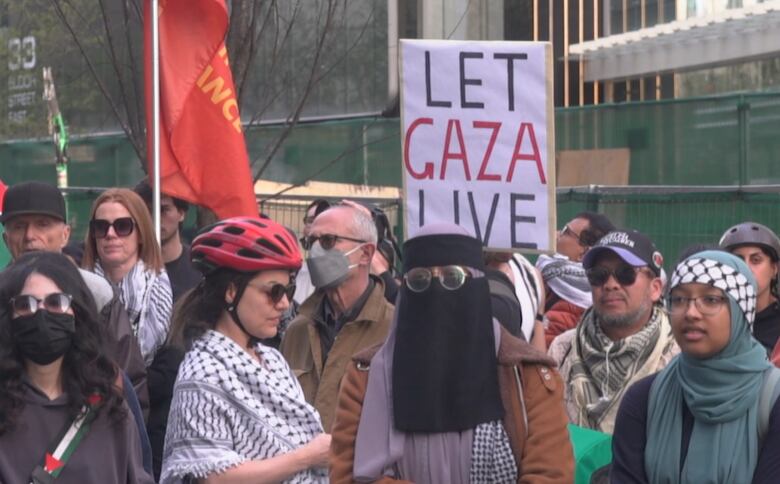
[277, 45]
[128, 131]
[138, 94]
[253, 42]
[293, 119]
[114, 60]
[330, 163]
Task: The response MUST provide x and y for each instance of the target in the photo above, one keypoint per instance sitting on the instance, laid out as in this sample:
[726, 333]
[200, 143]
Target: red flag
[3, 188]
[51, 463]
[203, 157]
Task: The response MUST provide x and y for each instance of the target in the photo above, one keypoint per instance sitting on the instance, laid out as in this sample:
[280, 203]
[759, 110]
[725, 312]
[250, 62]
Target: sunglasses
[277, 291]
[624, 274]
[327, 241]
[450, 277]
[566, 230]
[55, 303]
[123, 227]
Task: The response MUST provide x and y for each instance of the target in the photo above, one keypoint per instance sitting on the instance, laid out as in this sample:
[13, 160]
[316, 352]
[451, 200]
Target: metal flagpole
[156, 116]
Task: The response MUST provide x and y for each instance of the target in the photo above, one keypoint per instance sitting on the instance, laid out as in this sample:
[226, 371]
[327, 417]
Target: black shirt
[391, 286]
[766, 327]
[329, 325]
[182, 274]
[503, 302]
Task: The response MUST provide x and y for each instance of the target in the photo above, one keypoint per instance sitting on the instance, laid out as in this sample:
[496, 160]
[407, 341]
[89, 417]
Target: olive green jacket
[301, 347]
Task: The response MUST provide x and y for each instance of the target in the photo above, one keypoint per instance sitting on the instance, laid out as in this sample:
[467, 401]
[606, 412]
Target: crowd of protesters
[259, 355]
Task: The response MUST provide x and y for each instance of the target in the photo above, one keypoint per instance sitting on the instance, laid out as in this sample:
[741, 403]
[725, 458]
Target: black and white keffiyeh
[228, 408]
[148, 300]
[492, 459]
[724, 277]
[567, 279]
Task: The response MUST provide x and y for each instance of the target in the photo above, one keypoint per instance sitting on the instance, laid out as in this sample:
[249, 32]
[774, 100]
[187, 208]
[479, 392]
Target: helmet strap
[232, 310]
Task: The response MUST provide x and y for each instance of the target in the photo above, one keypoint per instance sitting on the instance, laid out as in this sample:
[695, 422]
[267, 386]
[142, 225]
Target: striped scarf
[602, 369]
[228, 408]
[148, 300]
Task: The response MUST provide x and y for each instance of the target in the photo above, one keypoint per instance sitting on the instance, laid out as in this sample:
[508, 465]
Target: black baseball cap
[632, 246]
[33, 198]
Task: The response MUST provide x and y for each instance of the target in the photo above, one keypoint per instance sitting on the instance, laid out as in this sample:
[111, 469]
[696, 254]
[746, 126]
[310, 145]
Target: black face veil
[445, 373]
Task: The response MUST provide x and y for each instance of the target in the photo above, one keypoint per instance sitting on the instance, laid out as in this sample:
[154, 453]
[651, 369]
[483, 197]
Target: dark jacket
[504, 304]
[630, 438]
[122, 344]
[535, 419]
[162, 376]
[110, 452]
[766, 327]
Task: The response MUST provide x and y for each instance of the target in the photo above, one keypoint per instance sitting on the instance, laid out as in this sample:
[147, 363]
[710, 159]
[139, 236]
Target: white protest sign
[478, 140]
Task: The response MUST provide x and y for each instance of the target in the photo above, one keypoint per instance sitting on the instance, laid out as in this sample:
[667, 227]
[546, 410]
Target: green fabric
[5, 256]
[592, 451]
[721, 393]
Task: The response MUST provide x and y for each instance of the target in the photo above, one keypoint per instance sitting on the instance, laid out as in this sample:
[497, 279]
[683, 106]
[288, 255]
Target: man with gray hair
[346, 314]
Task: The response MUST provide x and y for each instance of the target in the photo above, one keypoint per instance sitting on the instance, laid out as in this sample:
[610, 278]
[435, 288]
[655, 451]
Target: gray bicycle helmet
[751, 233]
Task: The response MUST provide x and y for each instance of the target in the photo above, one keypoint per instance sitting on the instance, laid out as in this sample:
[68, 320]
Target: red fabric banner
[203, 156]
[3, 188]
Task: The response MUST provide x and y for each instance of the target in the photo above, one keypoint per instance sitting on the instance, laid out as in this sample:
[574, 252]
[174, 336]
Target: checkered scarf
[724, 277]
[602, 369]
[492, 459]
[721, 391]
[148, 300]
[227, 409]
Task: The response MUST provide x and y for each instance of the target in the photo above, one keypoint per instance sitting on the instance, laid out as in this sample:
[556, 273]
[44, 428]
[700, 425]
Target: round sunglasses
[450, 277]
[55, 303]
[624, 274]
[123, 227]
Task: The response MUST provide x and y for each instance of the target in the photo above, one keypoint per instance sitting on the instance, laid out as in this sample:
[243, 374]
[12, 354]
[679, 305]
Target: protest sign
[478, 140]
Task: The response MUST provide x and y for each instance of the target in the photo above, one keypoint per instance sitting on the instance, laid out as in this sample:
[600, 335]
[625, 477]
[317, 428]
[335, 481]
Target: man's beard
[624, 320]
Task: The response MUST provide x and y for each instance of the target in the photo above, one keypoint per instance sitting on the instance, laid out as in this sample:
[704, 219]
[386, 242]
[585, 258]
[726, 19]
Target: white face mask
[328, 268]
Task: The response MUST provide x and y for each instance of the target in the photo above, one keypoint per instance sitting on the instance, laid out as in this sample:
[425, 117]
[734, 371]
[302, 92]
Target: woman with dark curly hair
[62, 414]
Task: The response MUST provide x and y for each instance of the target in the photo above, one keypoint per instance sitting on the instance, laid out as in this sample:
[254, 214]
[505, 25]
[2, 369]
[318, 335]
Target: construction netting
[673, 217]
[676, 217]
[724, 140]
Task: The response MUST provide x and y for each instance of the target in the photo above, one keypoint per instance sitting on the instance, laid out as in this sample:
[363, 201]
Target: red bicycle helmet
[245, 244]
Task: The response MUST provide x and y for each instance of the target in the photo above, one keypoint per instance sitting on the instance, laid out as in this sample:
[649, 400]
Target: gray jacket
[123, 346]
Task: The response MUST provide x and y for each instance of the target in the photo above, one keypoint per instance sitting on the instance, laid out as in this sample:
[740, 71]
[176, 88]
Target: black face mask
[43, 337]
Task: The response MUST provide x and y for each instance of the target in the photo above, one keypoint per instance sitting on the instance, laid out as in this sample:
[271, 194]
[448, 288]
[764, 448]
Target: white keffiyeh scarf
[228, 408]
[148, 300]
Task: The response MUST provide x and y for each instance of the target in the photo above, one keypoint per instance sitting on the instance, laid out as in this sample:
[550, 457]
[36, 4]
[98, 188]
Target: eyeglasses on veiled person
[451, 277]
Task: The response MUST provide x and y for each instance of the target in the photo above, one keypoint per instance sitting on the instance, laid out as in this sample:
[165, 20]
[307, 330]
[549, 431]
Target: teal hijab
[721, 392]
